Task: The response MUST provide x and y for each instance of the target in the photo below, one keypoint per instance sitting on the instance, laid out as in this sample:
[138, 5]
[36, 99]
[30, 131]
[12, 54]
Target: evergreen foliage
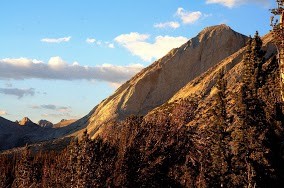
[250, 133]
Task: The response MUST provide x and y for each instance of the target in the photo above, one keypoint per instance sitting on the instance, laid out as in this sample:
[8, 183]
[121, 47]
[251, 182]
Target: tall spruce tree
[249, 136]
[219, 136]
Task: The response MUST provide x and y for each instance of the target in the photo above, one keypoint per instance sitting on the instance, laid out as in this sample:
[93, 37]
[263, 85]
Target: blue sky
[59, 59]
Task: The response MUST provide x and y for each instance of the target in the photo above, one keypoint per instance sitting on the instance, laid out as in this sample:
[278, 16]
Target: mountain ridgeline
[156, 84]
[205, 115]
[149, 89]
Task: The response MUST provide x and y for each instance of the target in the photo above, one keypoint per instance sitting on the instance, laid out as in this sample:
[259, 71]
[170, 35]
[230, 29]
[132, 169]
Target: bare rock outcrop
[157, 83]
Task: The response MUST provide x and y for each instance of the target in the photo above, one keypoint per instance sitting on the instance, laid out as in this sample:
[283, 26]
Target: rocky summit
[45, 123]
[157, 83]
[26, 122]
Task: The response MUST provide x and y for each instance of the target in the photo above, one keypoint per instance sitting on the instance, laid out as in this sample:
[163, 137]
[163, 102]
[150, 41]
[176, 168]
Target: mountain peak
[45, 124]
[63, 120]
[157, 83]
[216, 28]
[26, 122]
[208, 32]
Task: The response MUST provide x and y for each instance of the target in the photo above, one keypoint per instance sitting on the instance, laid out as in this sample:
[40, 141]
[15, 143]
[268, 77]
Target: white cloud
[111, 45]
[233, 3]
[173, 25]
[227, 3]
[57, 69]
[100, 43]
[131, 37]
[3, 113]
[90, 40]
[18, 92]
[57, 63]
[56, 40]
[188, 17]
[136, 43]
[22, 62]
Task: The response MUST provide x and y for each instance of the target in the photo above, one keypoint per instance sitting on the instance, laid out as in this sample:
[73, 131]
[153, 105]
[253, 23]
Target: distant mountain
[27, 122]
[4, 123]
[64, 123]
[10, 134]
[45, 124]
[17, 134]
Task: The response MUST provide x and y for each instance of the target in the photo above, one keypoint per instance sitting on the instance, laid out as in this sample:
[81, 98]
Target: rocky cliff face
[204, 84]
[203, 87]
[157, 83]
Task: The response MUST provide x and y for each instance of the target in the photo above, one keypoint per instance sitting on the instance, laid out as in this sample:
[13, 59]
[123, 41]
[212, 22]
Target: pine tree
[250, 133]
[219, 136]
[103, 165]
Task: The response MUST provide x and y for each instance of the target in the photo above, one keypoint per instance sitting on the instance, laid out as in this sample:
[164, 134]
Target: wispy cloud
[8, 84]
[90, 40]
[45, 106]
[58, 69]
[55, 111]
[188, 17]
[56, 40]
[111, 45]
[100, 43]
[173, 25]
[137, 44]
[62, 109]
[234, 3]
[60, 115]
[18, 92]
[3, 113]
